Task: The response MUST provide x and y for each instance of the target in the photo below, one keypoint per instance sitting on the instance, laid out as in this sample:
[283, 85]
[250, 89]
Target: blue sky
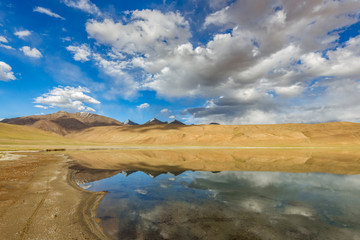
[227, 61]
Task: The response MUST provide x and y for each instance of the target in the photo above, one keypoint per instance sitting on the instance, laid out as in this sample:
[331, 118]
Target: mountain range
[92, 129]
[64, 123]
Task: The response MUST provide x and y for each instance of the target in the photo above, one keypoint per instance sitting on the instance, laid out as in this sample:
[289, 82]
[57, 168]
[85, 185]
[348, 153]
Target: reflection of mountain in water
[294, 160]
[87, 175]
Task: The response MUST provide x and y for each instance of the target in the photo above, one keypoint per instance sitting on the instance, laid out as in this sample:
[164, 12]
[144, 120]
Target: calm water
[229, 205]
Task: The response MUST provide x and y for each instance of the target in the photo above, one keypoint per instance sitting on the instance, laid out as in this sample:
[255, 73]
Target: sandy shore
[38, 199]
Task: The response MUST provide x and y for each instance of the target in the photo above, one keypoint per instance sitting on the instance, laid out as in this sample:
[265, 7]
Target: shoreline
[89, 205]
[39, 188]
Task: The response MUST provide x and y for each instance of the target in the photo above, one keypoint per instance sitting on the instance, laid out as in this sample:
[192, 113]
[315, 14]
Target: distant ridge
[154, 121]
[268, 135]
[176, 122]
[130, 123]
[63, 122]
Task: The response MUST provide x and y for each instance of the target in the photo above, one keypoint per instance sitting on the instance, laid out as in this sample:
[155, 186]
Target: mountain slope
[24, 135]
[325, 134]
[63, 122]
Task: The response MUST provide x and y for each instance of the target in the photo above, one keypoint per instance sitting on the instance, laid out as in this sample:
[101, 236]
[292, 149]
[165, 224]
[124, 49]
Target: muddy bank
[38, 200]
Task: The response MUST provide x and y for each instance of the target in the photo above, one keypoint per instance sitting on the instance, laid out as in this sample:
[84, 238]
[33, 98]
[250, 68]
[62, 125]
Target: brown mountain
[176, 122]
[272, 135]
[154, 121]
[63, 122]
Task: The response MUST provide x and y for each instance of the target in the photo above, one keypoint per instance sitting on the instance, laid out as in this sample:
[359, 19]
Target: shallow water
[229, 205]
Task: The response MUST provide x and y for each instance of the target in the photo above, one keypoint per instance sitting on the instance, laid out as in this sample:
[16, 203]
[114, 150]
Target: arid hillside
[11, 135]
[63, 122]
[324, 134]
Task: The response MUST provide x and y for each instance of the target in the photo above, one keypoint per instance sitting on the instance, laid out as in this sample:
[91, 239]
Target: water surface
[229, 205]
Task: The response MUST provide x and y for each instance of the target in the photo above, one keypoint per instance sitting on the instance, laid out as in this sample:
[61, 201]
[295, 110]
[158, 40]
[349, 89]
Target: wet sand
[38, 200]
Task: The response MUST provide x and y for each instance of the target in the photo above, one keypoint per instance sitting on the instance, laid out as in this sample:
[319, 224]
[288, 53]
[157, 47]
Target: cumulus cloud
[81, 53]
[70, 98]
[6, 73]
[121, 83]
[341, 62]
[144, 105]
[22, 34]
[260, 65]
[47, 12]
[146, 32]
[84, 5]
[31, 52]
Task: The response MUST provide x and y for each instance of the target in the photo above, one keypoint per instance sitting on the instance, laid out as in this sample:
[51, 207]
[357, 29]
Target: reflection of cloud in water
[163, 185]
[253, 205]
[225, 205]
[266, 179]
[297, 210]
[141, 191]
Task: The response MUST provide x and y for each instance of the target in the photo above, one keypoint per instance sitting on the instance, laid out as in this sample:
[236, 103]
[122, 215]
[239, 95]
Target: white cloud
[147, 32]
[3, 39]
[22, 34]
[260, 71]
[144, 105]
[6, 46]
[6, 73]
[66, 39]
[70, 98]
[289, 91]
[41, 106]
[172, 117]
[47, 12]
[81, 53]
[121, 83]
[84, 5]
[341, 62]
[165, 110]
[31, 52]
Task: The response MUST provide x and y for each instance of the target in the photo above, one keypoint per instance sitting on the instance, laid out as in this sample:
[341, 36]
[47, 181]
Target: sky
[197, 61]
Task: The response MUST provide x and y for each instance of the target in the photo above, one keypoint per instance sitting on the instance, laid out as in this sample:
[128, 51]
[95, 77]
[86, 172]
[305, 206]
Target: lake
[186, 204]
